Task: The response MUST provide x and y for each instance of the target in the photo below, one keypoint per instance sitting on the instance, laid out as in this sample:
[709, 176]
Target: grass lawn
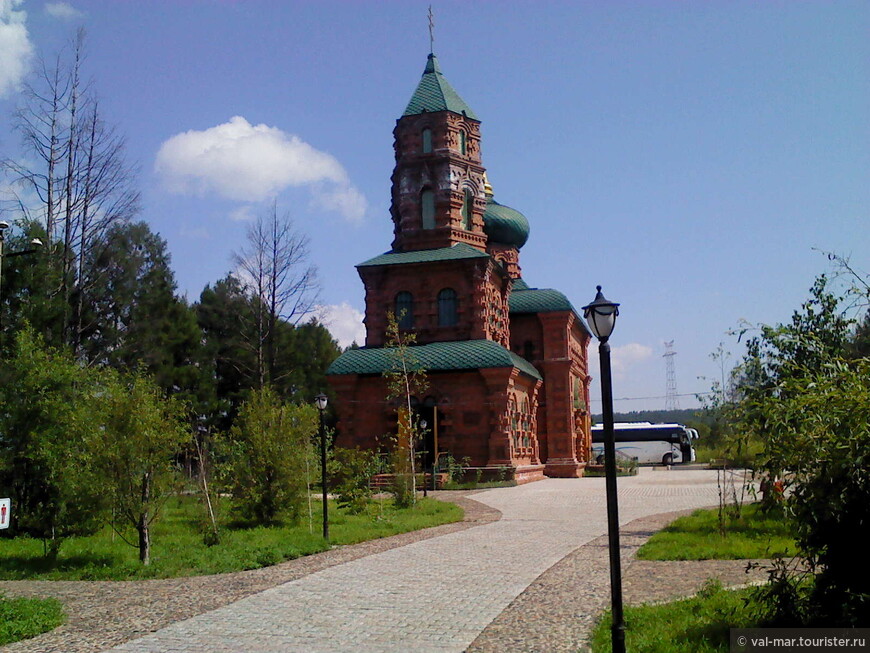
[178, 548]
[697, 625]
[697, 537]
[24, 618]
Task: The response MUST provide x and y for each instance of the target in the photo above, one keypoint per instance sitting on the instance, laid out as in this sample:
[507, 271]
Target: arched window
[447, 308]
[463, 143]
[466, 210]
[427, 140]
[405, 310]
[529, 350]
[427, 208]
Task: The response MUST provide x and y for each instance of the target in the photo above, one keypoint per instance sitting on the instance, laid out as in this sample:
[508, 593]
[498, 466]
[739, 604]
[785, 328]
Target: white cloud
[15, 46]
[347, 201]
[624, 357]
[62, 10]
[344, 322]
[252, 163]
[242, 214]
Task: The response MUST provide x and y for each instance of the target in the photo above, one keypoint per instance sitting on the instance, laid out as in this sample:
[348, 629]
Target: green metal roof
[452, 253]
[519, 284]
[434, 93]
[504, 224]
[536, 300]
[525, 300]
[435, 356]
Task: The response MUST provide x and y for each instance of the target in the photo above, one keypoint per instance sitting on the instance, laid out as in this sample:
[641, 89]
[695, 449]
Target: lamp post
[601, 317]
[423, 425]
[35, 244]
[321, 400]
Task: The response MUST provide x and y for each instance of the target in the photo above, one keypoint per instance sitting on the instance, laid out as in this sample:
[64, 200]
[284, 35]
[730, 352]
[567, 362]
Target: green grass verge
[700, 624]
[697, 537]
[23, 618]
[178, 548]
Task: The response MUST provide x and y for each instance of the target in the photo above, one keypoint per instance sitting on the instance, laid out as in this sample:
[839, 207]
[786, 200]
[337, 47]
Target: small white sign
[5, 512]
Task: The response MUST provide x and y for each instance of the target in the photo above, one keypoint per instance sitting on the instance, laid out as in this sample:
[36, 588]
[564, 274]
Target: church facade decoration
[506, 363]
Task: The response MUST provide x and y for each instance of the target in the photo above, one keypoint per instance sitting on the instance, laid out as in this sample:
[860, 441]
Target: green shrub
[269, 455]
[350, 474]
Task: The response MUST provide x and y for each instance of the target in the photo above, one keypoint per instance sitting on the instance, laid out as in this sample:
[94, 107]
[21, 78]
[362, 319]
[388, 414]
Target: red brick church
[506, 363]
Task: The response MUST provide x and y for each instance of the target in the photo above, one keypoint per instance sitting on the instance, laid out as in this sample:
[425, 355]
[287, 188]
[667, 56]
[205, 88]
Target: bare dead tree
[107, 197]
[280, 280]
[41, 124]
[72, 155]
[74, 166]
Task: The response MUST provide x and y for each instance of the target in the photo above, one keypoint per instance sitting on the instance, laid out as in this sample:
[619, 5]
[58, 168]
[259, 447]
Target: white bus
[664, 444]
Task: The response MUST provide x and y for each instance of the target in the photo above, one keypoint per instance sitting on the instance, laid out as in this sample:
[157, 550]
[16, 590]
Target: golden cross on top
[431, 31]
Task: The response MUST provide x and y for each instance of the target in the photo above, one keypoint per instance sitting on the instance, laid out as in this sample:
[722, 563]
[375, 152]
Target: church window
[466, 210]
[405, 310]
[427, 140]
[528, 350]
[463, 143]
[427, 204]
[447, 308]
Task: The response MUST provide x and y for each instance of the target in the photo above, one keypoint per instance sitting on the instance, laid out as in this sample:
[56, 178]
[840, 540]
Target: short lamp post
[321, 401]
[423, 425]
[601, 317]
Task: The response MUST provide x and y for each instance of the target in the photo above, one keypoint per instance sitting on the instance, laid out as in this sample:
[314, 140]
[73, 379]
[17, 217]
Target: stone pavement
[437, 594]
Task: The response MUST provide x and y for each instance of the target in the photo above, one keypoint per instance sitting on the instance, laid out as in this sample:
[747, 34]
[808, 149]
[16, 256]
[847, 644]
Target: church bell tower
[438, 196]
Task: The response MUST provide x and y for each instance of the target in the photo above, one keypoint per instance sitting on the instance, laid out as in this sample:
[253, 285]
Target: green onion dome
[503, 224]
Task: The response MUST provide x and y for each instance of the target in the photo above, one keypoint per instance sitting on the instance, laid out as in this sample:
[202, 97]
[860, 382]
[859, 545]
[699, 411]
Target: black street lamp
[35, 244]
[321, 400]
[601, 316]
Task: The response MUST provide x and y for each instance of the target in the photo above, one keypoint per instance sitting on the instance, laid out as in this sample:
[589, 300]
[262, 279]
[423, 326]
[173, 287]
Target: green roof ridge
[452, 253]
[434, 93]
[434, 356]
[539, 300]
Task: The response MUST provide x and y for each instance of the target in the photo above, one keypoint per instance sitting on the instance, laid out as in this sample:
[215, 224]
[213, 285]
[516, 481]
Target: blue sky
[687, 156]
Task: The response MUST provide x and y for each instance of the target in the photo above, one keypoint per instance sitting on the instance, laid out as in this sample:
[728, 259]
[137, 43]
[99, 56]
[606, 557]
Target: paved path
[438, 594]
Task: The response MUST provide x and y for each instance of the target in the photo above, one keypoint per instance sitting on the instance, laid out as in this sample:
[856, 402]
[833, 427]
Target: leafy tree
[818, 432]
[231, 364]
[134, 316]
[405, 378]
[142, 432]
[269, 455]
[303, 352]
[816, 335]
[27, 285]
[308, 350]
[806, 404]
[47, 427]
[859, 346]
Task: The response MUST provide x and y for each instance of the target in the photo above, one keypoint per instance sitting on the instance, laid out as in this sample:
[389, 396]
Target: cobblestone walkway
[438, 594]
[102, 614]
